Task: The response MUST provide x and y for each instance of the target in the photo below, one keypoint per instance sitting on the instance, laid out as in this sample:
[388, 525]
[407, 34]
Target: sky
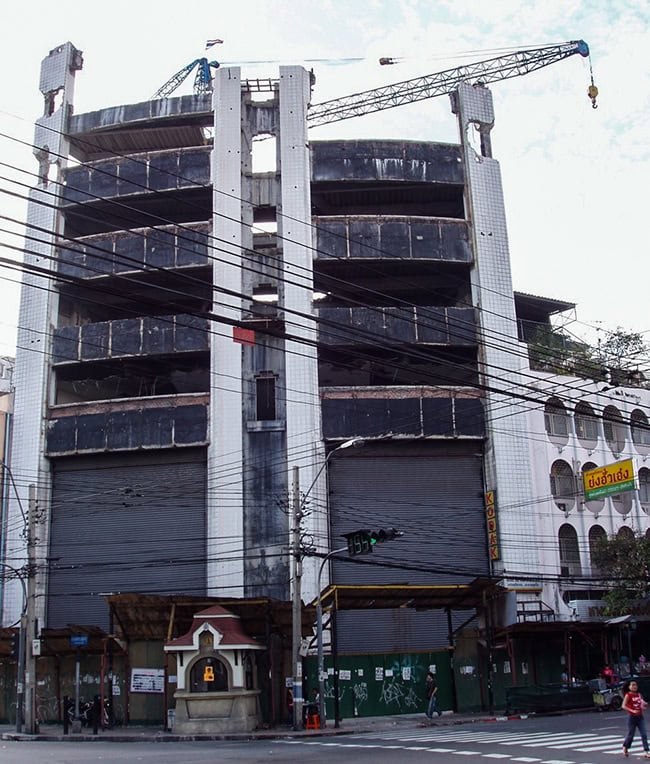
[572, 175]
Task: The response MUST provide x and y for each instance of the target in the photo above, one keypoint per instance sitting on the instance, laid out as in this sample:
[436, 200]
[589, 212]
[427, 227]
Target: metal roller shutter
[124, 524]
[437, 501]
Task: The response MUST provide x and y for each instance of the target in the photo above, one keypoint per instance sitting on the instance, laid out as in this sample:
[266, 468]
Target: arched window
[562, 485]
[625, 533]
[594, 505]
[569, 551]
[596, 534]
[614, 429]
[622, 502]
[644, 488]
[556, 420]
[249, 676]
[640, 430]
[586, 424]
[208, 675]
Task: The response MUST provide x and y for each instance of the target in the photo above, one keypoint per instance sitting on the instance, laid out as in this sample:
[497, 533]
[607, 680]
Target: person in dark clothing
[431, 692]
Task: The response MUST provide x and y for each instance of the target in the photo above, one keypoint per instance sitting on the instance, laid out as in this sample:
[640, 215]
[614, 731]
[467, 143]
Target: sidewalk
[54, 732]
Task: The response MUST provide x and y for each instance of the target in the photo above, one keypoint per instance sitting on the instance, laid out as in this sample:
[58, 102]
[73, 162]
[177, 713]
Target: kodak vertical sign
[491, 525]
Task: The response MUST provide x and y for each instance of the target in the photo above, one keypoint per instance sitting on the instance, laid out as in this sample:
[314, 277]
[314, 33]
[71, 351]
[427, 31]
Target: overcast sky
[573, 176]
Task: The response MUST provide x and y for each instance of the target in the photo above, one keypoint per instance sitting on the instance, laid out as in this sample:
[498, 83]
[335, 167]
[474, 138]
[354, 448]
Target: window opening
[562, 485]
[614, 429]
[644, 487]
[640, 428]
[586, 423]
[569, 551]
[265, 397]
[555, 418]
[596, 533]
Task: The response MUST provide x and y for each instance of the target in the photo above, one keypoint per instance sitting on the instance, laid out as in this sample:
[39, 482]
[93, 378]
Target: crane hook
[592, 92]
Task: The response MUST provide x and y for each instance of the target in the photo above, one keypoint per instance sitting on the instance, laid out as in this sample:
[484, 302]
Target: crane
[431, 85]
[202, 79]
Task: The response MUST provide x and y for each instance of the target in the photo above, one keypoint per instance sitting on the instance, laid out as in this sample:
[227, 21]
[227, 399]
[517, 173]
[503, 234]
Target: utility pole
[30, 631]
[296, 661]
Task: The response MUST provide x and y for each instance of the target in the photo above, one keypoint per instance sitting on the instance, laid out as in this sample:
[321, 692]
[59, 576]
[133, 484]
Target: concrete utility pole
[30, 631]
[296, 661]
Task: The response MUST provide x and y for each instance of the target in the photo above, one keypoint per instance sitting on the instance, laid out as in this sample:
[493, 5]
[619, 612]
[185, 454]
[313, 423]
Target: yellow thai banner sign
[491, 525]
[609, 480]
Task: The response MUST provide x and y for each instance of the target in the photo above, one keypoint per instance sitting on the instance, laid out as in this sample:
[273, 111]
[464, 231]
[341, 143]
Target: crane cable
[592, 91]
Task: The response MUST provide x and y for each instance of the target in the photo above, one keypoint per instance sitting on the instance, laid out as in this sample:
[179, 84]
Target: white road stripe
[467, 753]
[496, 755]
[524, 758]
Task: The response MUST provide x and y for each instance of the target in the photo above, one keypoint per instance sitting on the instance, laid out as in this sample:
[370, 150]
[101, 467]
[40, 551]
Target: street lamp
[298, 503]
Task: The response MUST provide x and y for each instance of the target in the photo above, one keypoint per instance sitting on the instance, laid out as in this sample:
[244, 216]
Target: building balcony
[123, 338]
[132, 251]
[393, 237]
[408, 325]
[411, 412]
[137, 174]
[163, 422]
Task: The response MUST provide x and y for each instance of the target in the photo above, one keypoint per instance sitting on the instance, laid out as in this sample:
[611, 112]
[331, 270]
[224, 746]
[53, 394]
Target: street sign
[609, 480]
[79, 640]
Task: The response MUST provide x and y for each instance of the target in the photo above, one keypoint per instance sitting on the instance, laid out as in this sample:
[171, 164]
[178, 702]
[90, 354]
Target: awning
[452, 596]
[153, 616]
[620, 619]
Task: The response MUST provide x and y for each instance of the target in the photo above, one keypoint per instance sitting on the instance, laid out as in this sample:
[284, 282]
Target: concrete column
[225, 509]
[502, 357]
[304, 439]
[37, 315]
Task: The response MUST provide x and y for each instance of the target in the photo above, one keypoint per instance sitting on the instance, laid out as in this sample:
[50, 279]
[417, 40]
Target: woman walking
[635, 705]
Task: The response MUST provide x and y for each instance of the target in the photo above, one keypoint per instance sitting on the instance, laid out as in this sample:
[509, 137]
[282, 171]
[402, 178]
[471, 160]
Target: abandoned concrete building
[211, 329]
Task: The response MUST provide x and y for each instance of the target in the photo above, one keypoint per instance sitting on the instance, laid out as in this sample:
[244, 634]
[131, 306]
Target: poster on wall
[147, 680]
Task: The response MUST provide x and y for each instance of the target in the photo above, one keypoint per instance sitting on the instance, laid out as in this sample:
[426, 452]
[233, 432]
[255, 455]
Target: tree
[623, 350]
[623, 562]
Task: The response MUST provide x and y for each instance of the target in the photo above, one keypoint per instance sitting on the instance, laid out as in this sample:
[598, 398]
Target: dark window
[569, 551]
[596, 533]
[265, 397]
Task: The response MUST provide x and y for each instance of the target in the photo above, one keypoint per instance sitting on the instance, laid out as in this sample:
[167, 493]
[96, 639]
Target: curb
[168, 737]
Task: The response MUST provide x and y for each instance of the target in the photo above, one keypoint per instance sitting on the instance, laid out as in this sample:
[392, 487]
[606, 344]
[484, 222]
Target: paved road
[579, 739]
[575, 739]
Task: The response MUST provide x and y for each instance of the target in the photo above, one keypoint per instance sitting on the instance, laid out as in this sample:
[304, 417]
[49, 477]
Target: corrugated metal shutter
[437, 501]
[124, 523]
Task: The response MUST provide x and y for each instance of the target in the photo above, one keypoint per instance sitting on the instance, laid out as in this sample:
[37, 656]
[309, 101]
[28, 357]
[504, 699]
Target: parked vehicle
[610, 698]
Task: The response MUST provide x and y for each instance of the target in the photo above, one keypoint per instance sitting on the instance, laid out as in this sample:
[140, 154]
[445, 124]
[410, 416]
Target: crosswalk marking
[496, 755]
[425, 740]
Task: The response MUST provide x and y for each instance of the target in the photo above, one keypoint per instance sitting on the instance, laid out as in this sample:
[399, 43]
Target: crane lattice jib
[203, 78]
[173, 82]
[431, 85]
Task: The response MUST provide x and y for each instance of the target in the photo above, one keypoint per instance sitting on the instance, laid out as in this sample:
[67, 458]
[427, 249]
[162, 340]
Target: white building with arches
[583, 424]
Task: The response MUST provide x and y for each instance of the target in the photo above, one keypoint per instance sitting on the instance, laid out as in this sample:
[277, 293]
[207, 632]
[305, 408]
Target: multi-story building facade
[188, 361]
[6, 476]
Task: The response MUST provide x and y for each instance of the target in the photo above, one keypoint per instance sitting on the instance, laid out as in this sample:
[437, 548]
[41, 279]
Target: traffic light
[384, 534]
[15, 644]
[362, 541]
[358, 542]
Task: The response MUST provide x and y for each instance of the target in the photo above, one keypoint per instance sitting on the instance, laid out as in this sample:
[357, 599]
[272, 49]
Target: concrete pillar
[304, 438]
[37, 315]
[502, 357]
[225, 503]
